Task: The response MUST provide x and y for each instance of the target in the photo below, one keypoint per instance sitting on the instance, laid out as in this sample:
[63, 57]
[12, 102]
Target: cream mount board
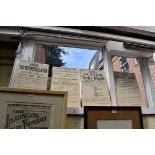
[32, 109]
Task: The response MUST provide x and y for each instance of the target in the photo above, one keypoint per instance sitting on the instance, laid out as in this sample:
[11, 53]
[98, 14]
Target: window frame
[124, 65]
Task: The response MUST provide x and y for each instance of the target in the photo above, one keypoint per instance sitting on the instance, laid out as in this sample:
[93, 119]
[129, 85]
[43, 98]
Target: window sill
[148, 111]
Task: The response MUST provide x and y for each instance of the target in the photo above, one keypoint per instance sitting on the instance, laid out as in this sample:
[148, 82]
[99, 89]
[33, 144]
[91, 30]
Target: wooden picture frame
[37, 109]
[108, 117]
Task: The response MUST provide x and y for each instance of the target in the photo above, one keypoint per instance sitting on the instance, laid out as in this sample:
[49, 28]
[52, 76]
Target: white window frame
[29, 55]
[73, 111]
[136, 62]
[117, 49]
[92, 65]
[100, 56]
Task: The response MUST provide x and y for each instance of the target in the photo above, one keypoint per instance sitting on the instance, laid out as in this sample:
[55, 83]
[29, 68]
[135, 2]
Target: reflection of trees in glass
[54, 56]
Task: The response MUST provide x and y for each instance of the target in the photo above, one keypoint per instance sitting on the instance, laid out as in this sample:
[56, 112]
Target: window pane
[124, 65]
[76, 70]
[129, 86]
[59, 56]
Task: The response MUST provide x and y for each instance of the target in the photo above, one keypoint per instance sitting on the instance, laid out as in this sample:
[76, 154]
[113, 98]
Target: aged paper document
[127, 90]
[94, 88]
[66, 79]
[31, 76]
[28, 116]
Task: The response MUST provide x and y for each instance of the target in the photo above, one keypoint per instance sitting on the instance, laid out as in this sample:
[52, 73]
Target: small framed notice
[32, 109]
[104, 117]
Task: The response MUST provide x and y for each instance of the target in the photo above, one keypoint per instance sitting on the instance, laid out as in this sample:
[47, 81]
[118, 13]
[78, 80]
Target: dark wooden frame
[111, 108]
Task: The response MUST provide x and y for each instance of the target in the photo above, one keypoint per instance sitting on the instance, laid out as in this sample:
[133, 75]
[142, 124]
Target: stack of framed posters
[31, 76]
[108, 117]
[127, 90]
[94, 88]
[32, 109]
[66, 79]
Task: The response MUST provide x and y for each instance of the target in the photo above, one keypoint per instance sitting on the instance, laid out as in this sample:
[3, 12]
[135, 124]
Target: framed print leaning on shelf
[32, 109]
[108, 117]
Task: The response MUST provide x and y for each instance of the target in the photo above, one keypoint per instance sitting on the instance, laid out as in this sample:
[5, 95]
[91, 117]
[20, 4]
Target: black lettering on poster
[21, 116]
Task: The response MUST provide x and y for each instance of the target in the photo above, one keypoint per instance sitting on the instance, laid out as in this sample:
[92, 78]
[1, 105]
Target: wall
[149, 121]
[75, 122]
[5, 74]
[7, 57]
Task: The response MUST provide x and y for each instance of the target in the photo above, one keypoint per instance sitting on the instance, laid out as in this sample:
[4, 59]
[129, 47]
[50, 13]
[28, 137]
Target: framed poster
[32, 109]
[108, 117]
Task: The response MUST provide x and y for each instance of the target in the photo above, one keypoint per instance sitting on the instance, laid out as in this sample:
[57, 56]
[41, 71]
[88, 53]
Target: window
[137, 61]
[60, 56]
[92, 65]
[69, 70]
[100, 56]
[124, 65]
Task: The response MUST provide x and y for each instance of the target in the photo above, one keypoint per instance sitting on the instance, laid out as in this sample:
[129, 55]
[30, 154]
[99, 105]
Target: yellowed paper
[94, 88]
[66, 79]
[31, 76]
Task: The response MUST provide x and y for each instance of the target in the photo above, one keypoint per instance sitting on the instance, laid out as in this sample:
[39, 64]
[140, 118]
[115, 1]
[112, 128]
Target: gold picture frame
[32, 109]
